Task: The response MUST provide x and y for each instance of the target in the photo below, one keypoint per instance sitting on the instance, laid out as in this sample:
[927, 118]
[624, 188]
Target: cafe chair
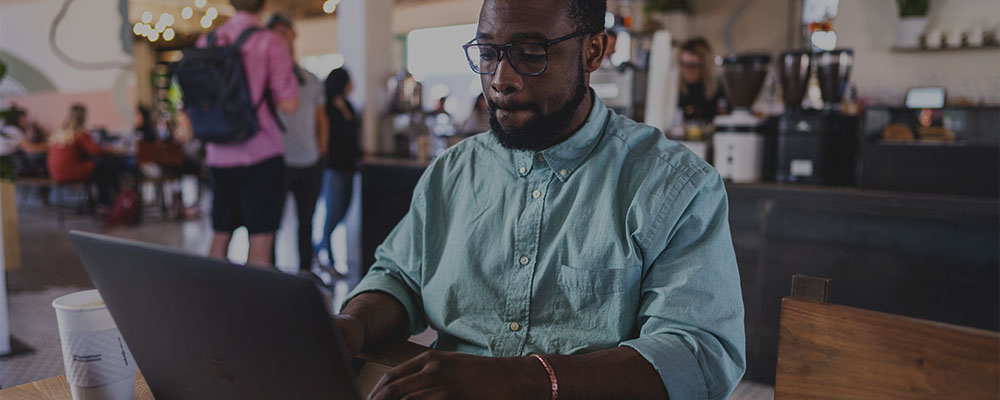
[828, 351]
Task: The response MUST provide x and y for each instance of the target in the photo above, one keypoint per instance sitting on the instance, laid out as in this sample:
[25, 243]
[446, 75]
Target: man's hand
[444, 375]
[353, 331]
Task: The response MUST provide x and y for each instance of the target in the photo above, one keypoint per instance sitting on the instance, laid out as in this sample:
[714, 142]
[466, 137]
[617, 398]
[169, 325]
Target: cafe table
[376, 363]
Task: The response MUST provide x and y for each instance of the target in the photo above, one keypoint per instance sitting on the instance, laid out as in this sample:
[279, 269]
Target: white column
[364, 37]
[4, 311]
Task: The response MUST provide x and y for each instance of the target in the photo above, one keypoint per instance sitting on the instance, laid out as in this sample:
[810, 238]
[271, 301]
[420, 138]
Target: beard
[541, 131]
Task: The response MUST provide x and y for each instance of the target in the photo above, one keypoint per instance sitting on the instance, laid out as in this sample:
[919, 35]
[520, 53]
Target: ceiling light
[168, 34]
[187, 12]
[199, 3]
[329, 6]
[206, 22]
[212, 13]
[147, 17]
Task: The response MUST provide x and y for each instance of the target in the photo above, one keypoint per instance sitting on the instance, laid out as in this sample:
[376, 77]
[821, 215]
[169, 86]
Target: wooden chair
[828, 351]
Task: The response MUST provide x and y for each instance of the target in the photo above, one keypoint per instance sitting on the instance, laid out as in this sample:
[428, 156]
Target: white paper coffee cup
[98, 364]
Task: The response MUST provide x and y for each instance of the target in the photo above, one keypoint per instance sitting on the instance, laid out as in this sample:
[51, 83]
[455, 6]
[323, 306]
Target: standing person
[342, 155]
[305, 145]
[247, 177]
[699, 91]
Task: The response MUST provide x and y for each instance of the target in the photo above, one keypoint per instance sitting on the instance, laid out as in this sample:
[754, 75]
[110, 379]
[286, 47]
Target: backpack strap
[210, 39]
[244, 36]
[266, 98]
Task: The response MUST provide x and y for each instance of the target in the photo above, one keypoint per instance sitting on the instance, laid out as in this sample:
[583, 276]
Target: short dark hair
[588, 15]
[280, 19]
[250, 6]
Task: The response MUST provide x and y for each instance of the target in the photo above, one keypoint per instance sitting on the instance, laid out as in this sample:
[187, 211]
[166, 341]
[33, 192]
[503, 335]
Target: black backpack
[216, 95]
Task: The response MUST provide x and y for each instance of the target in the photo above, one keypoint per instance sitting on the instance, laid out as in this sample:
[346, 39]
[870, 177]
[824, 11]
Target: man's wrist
[530, 378]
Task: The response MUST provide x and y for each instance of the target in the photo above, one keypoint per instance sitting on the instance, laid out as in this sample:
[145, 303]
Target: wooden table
[57, 388]
[377, 362]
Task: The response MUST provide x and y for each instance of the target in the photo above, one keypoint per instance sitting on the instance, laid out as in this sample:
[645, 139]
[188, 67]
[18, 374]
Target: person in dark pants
[305, 145]
[342, 155]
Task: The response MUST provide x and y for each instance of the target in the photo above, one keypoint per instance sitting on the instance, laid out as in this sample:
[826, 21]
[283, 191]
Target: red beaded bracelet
[553, 382]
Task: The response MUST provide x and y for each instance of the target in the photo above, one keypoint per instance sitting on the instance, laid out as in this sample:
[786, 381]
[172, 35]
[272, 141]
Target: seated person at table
[74, 157]
[569, 253]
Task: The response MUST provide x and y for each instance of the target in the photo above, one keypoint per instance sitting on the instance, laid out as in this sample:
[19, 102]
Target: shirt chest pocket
[598, 288]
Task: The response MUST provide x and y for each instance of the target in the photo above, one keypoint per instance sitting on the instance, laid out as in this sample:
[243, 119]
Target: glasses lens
[529, 58]
[482, 59]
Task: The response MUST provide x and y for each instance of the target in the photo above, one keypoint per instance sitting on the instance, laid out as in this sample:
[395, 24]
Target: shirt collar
[566, 157]
[242, 20]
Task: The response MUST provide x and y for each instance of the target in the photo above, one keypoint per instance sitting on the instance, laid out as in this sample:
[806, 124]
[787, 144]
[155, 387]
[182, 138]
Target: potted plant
[912, 22]
[672, 15]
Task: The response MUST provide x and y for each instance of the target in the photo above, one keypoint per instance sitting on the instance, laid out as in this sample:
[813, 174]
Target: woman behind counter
[700, 95]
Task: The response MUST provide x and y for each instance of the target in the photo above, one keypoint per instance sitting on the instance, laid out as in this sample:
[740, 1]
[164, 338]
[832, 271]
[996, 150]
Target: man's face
[531, 112]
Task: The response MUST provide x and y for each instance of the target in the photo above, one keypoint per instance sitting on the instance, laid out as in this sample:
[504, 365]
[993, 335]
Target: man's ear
[595, 49]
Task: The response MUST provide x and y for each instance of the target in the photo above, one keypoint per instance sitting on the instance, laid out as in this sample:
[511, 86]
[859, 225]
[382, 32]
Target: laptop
[202, 328]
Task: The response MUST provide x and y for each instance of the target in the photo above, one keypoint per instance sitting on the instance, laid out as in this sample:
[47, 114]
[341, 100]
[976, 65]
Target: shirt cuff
[673, 360]
[378, 282]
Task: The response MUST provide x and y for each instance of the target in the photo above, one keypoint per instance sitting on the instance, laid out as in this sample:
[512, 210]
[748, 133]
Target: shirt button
[536, 194]
[522, 170]
[525, 260]
[514, 326]
[541, 157]
[563, 172]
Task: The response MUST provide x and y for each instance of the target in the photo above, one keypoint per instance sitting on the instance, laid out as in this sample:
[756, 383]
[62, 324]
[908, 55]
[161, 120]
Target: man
[247, 177]
[571, 253]
[305, 145]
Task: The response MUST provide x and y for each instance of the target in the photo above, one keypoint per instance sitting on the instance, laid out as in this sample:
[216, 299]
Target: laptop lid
[202, 328]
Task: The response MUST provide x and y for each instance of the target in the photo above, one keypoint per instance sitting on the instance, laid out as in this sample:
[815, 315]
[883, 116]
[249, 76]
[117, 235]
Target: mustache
[512, 106]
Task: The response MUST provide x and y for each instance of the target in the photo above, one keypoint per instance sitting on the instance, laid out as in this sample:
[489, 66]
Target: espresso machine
[813, 146]
[738, 143]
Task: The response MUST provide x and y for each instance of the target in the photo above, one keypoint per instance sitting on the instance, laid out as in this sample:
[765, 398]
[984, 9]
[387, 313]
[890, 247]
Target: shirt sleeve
[399, 262]
[282, 81]
[691, 312]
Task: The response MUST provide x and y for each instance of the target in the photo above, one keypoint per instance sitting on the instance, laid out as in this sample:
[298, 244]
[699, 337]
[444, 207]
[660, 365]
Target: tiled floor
[52, 269]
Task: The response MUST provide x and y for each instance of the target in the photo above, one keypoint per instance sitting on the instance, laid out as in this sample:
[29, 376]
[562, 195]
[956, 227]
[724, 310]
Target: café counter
[919, 255]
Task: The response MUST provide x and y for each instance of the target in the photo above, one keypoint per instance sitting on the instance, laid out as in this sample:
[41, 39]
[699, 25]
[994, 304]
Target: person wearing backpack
[244, 149]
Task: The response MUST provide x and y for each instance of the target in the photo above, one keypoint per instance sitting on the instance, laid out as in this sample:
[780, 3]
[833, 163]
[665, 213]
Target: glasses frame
[504, 52]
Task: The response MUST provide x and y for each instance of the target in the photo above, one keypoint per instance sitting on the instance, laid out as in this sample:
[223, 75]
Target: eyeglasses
[527, 59]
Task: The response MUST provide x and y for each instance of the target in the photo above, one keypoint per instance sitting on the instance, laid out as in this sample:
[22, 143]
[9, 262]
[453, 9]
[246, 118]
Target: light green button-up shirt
[614, 237]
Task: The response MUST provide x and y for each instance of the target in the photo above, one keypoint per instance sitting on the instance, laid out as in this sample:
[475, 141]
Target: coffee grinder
[813, 146]
[737, 143]
[833, 68]
[796, 145]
